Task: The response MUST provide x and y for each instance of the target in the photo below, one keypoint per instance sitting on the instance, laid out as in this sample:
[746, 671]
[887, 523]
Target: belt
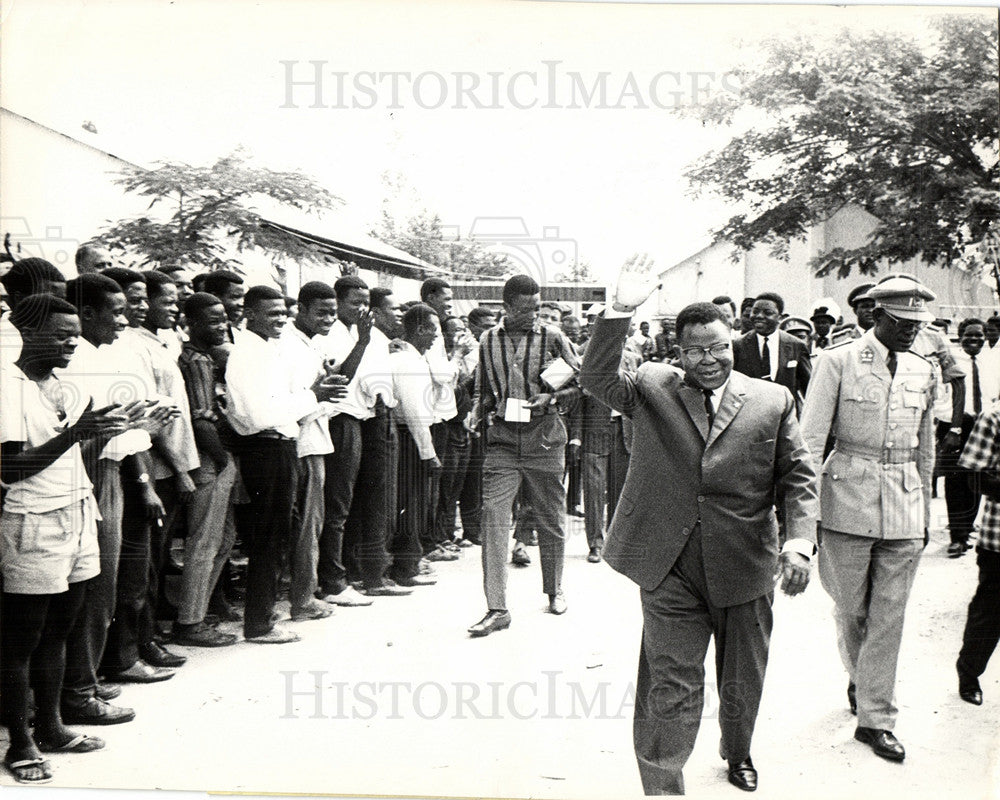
[884, 455]
[270, 435]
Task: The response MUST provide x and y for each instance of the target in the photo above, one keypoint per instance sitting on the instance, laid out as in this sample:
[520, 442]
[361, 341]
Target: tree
[579, 271]
[209, 212]
[907, 132]
[423, 235]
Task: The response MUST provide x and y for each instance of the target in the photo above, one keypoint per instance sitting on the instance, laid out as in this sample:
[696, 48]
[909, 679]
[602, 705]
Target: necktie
[709, 408]
[765, 362]
[821, 342]
[977, 390]
[890, 362]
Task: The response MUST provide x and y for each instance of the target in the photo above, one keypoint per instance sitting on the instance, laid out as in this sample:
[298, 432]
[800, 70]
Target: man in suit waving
[771, 354]
[695, 527]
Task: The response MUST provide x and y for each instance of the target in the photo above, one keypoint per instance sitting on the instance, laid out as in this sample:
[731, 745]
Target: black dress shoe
[95, 711]
[883, 743]
[159, 656]
[743, 775]
[106, 691]
[852, 698]
[493, 621]
[971, 695]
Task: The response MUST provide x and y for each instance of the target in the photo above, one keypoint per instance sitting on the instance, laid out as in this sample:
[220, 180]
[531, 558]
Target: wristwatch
[144, 478]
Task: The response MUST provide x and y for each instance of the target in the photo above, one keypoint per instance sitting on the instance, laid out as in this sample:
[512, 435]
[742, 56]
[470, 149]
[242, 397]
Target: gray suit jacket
[682, 474]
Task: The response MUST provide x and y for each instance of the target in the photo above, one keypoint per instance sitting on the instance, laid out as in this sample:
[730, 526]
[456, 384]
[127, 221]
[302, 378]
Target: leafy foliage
[424, 236]
[907, 132]
[208, 211]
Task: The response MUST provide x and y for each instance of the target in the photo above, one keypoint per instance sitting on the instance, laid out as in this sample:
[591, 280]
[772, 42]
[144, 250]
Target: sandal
[80, 743]
[19, 769]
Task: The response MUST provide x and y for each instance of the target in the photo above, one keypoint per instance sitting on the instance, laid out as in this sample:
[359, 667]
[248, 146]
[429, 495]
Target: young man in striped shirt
[525, 444]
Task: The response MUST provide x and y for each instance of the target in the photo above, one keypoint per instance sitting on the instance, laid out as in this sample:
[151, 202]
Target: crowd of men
[181, 450]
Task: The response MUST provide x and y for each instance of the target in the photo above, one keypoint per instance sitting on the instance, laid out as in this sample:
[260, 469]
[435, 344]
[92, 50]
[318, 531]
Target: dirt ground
[395, 699]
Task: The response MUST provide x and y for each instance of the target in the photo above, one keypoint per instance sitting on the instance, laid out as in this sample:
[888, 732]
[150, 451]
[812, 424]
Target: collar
[536, 327]
[873, 341]
[770, 339]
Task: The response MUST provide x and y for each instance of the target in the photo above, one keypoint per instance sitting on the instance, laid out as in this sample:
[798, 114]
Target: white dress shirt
[773, 344]
[10, 341]
[160, 368]
[372, 377]
[989, 378]
[305, 360]
[111, 374]
[444, 373]
[261, 392]
[414, 388]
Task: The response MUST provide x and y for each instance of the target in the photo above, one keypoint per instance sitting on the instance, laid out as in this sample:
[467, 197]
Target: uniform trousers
[982, 628]
[86, 640]
[679, 619]
[869, 581]
[527, 456]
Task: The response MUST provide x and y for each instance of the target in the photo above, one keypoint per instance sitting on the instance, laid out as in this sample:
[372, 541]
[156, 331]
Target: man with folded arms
[264, 406]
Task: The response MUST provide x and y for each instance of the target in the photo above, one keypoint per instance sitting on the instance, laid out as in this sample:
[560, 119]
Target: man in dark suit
[695, 527]
[770, 354]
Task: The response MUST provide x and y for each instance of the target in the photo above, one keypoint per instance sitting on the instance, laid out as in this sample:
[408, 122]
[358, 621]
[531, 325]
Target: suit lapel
[694, 402]
[732, 402]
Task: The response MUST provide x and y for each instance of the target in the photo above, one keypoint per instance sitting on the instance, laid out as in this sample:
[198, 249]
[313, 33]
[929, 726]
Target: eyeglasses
[905, 324]
[717, 351]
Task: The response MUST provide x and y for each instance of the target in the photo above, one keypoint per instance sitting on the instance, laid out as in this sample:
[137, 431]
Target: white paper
[517, 411]
[558, 373]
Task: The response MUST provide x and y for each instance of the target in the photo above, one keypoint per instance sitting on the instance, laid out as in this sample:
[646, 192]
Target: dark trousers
[364, 548]
[574, 483]
[962, 502]
[617, 465]
[982, 628]
[412, 497]
[33, 631]
[268, 467]
[132, 624]
[678, 622]
[470, 502]
[432, 536]
[85, 644]
[453, 469]
[341, 475]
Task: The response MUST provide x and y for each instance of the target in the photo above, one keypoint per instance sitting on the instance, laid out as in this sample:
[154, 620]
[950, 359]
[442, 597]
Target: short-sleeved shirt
[982, 452]
[33, 416]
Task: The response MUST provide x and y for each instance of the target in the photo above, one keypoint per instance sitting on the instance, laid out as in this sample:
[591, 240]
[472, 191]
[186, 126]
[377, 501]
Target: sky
[474, 126]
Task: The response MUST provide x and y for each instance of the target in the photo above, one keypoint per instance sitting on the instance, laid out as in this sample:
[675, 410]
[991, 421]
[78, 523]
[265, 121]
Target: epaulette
[835, 345]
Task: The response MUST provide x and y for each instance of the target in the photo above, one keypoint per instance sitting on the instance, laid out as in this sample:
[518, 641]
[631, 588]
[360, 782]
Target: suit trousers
[209, 539]
[595, 497]
[962, 502]
[527, 456]
[432, 536]
[86, 640]
[982, 628]
[268, 467]
[869, 581]
[617, 464]
[364, 549]
[574, 485]
[341, 475]
[679, 619]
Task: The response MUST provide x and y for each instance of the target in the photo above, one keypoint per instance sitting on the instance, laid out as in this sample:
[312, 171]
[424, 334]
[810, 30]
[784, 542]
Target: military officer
[861, 304]
[876, 397]
[799, 327]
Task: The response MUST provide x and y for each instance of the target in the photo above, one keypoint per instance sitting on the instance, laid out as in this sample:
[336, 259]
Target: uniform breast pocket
[914, 398]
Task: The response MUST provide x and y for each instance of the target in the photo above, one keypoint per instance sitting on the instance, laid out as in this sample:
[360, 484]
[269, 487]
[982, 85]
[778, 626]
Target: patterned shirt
[982, 452]
[514, 370]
